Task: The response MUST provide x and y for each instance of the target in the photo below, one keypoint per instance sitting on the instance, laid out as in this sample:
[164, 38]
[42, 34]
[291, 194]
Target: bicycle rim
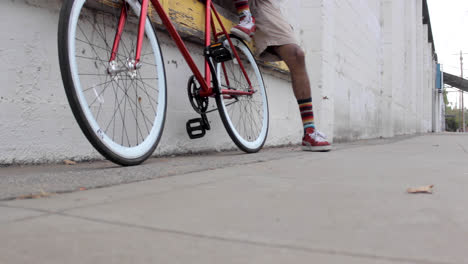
[244, 117]
[121, 113]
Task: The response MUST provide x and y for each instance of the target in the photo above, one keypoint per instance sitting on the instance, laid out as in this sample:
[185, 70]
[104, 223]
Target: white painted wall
[372, 61]
[369, 62]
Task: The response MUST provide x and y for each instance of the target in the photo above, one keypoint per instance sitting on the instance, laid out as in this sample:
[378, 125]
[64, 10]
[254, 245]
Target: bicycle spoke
[148, 63]
[146, 92]
[99, 95]
[136, 117]
[123, 90]
[97, 85]
[89, 58]
[124, 130]
[95, 52]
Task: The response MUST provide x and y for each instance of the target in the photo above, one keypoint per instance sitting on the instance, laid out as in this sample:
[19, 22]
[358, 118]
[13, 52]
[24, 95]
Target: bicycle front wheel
[120, 107]
[245, 117]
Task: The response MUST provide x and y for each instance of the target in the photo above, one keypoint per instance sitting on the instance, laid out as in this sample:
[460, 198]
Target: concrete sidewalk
[346, 206]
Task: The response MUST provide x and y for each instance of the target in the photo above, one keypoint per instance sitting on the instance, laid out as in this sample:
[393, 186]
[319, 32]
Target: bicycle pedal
[196, 128]
[219, 53]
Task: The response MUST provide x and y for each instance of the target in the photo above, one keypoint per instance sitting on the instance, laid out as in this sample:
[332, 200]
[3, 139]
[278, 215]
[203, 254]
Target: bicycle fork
[131, 64]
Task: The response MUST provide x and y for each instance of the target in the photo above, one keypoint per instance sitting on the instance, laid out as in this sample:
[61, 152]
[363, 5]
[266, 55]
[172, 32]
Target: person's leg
[246, 27]
[294, 58]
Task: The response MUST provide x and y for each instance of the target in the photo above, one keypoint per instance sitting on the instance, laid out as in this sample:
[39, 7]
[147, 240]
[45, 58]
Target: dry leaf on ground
[423, 189]
[43, 194]
[69, 162]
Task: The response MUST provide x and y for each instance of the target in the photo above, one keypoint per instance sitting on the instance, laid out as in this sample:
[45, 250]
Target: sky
[449, 20]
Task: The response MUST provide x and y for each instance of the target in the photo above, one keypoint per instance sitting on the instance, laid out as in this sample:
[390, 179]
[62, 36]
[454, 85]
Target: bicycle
[114, 77]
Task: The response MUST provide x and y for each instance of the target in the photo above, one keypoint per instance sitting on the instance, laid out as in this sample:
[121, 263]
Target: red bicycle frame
[205, 82]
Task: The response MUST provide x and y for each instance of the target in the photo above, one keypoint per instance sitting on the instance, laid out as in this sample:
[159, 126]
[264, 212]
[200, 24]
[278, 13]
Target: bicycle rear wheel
[120, 107]
[245, 117]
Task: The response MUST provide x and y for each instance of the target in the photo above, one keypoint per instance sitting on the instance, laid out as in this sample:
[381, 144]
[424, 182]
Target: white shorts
[272, 29]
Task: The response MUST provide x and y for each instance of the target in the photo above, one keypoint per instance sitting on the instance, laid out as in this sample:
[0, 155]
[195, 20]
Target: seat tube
[236, 54]
[208, 39]
[141, 29]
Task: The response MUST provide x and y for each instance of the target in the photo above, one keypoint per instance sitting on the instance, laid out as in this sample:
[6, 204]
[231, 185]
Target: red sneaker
[315, 141]
[246, 28]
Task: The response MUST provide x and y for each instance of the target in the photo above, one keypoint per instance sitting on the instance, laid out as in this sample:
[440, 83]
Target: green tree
[446, 99]
[450, 124]
[453, 118]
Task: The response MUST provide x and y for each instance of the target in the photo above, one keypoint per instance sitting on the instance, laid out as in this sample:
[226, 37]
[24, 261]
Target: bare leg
[294, 57]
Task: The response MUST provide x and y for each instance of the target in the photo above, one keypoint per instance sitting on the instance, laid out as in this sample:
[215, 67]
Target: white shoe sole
[241, 34]
[317, 149]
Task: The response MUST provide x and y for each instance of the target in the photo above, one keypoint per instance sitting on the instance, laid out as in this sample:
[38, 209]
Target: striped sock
[307, 114]
[241, 6]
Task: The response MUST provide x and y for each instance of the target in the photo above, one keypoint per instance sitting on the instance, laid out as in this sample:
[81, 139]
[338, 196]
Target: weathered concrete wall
[369, 63]
[371, 66]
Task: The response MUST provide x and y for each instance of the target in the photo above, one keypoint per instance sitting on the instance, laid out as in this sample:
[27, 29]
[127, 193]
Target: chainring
[199, 104]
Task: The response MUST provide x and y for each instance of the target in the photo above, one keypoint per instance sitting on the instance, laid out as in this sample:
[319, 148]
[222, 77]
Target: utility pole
[462, 102]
